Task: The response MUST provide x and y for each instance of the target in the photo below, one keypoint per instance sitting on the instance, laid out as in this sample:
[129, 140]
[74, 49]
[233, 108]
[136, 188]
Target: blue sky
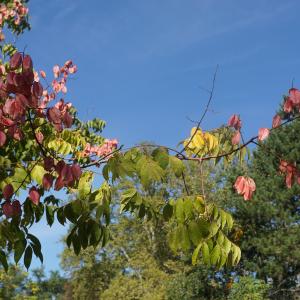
[142, 65]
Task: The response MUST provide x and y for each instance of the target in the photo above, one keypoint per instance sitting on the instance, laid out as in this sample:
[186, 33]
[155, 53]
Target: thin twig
[185, 185]
[35, 137]
[205, 111]
[202, 181]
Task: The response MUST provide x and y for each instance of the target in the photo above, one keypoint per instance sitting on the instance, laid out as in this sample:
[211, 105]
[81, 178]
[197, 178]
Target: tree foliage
[269, 225]
[45, 147]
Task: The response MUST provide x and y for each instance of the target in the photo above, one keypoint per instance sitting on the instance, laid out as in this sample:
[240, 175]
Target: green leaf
[205, 253]
[95, 234]
[128, 196]
[19, 176]
[161, 156]
[60, 216]
[204, 228]
[215, 213]
[226, 245]
[19, 248]
[3, 260]
[168, 211]
[142, 211]
[76, 244]
[83, 235]
[70, 214]
[183, 236]
[176, 165]
[188, 208]
[28, 257]
[195, 232]
[37, 174]
[220, 238]
[223, 217]
[179, 210]
[84, 185]
[223, 259]
[38, 212]
[215, 254]
[213, 228]
[229, 221]
[149, 171]
[105, 172]
[236, 254]
[242, 154]
[37, 251]
[50, 215]
[196, 253]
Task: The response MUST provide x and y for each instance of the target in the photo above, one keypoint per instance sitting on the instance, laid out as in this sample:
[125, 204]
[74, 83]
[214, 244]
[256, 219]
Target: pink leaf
[276, 121]
[240, 184]
[43, 74]
[234, 121]
[245, 186]
[294, 96]
[288, 105]
[56, 71]
[39, 137]
[236, 138]
[2, 138]
[263, 133]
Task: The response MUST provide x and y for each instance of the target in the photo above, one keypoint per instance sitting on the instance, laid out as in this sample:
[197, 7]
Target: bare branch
[205, 111]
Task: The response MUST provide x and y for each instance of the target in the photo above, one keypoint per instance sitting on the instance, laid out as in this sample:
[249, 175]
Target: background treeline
[139, 264]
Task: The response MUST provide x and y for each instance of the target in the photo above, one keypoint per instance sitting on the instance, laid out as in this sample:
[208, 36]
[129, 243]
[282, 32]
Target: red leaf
[37, 89]
[8, 191]
[16, 208]
[76, 171]
[7, 209]
[67, 119]
[47, 181]
[15, 61]
[22, 99]
[59, 167]
[59, 183]
[28, 76]
[34, 195]
[54, 115]
[48, 163]
[27, 63]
